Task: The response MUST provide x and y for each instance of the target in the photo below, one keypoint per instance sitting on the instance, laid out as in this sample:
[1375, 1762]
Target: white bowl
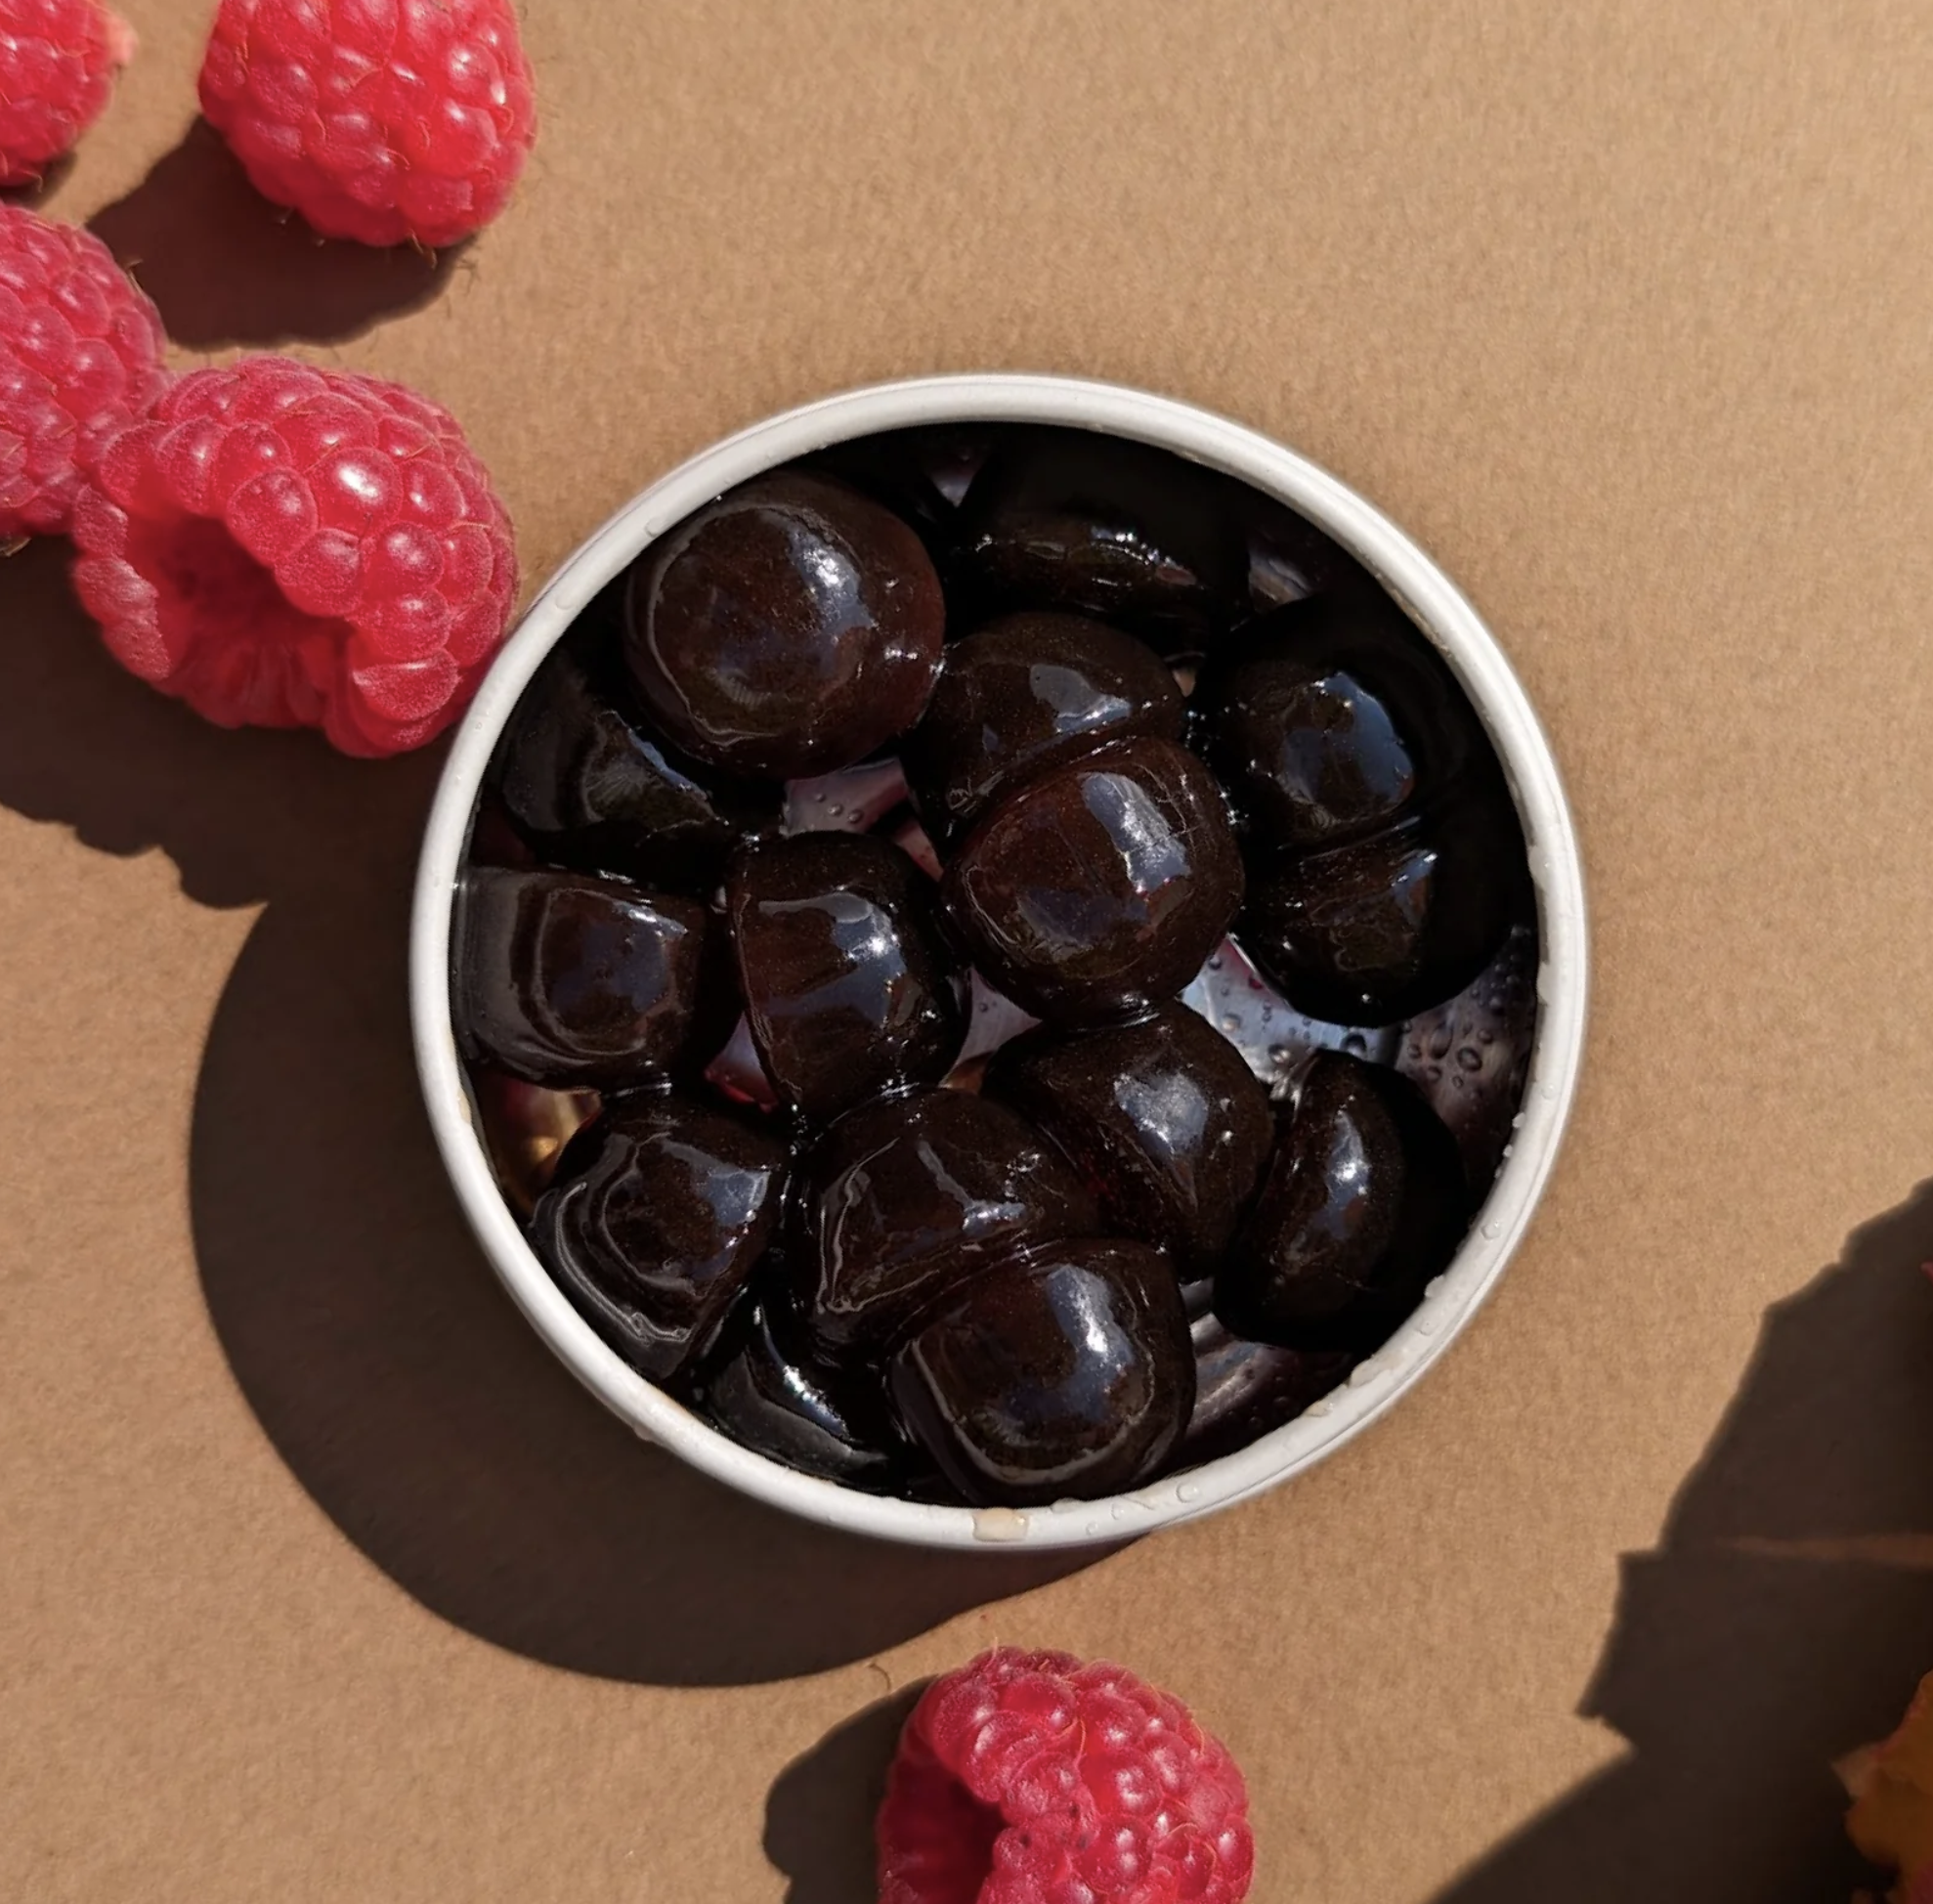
[1438, 609]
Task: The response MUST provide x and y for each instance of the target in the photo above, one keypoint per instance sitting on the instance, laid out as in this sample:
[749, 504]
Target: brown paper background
[317, 1576]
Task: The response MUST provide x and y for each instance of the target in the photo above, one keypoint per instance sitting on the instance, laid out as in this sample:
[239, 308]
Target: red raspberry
[1028, 1778]
[387, 122]
[284, 547]
[58, 59]
[80, 357]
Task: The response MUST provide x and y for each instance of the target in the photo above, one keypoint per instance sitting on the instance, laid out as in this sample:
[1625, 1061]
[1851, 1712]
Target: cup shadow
[226, 267]
[360, 1322]
[1783, 1622]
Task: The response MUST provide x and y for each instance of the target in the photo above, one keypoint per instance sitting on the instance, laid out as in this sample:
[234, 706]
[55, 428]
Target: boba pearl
[1065, 1372]
[1162, 1117]
[659, 1212]
[1246, 1388]
[1329, 719]
[1290, 558]
[762, 1387]
[1364, 1201]
[590, 788]
[525, 1129]
[494, 839]
[1387, 926]
[1096, 525]
[1471, 1056]
[911, 1196]
[1020, 695]
[902, 470]
[971, 1207]
[791, 629]
[1099, 888]
[847, 985]
[567, 980]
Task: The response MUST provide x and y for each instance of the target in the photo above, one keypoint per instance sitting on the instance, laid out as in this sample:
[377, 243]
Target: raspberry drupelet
[1029, 1778]
[80, 358]
[285, 546]
[385, 121]
[58, 60]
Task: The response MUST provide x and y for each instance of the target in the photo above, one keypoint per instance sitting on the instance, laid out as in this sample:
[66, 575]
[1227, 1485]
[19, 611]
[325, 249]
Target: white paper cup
[1438, 609]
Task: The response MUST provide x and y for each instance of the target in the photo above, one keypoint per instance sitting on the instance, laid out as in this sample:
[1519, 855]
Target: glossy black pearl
[494, 839]
[1291, 559]
[1470, 1056]
[918, 474]
[847, 985]
[1387, 926]
[1065, 1374]
[1096, 525]
[1330, 719]
[1163, 1118]
[790, 628]
[761, 1386]
[592, 790]
[661, 1210]
[524, 1127]
[911, 1196]
[1364, 1201]
[1099, 888]
[1020, 695]
[1244, 1390]
[567, 980]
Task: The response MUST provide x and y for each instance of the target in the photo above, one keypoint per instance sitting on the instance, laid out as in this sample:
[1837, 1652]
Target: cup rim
[1441, 613]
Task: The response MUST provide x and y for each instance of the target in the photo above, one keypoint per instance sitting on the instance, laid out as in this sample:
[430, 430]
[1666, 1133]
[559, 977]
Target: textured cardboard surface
[318, 1577]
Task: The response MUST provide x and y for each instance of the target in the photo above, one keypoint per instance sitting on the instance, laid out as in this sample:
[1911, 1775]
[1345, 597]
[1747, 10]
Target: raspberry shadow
[35, 194]
[226, 267]
[819, 1816]
[371, 1341]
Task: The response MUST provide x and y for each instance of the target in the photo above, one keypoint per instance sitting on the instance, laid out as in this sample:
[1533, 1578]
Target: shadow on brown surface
[818, 1817]
[360, 1322]
[1783, 1622]
[31, 193]
[226, 267]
